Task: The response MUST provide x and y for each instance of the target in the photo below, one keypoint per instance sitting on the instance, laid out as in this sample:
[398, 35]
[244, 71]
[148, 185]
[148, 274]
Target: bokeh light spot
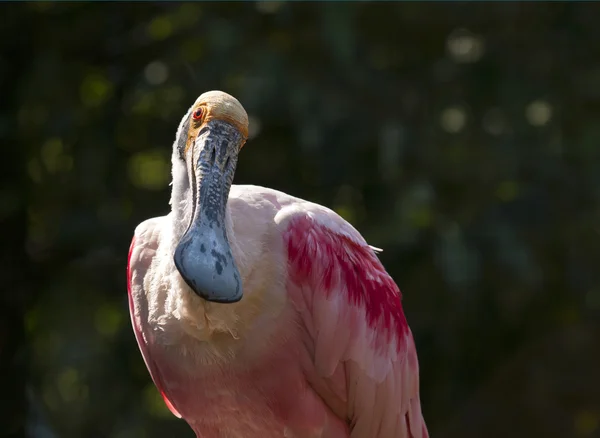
[154, 403]
[464, 46]
[268, 7]
[569, 315]
[192, 49]
[420, 217]
[54, 158]
[47, 344]
[453, 119]
[32, 319]
[108, 320]
[538, 113]
[254, 126]
[587, 422]
[188, 14]
[348, 203]
[507, 190]
[149, 170]
[156, 73]
[95, 90]
[345, 211]
[160, 28]
[144, 103]
[71, 387]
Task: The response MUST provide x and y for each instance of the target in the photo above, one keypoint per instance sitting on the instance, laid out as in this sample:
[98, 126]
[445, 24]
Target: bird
[263, 315]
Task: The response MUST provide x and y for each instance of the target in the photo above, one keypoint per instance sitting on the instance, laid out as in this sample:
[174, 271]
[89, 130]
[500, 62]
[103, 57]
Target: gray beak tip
[212, 276]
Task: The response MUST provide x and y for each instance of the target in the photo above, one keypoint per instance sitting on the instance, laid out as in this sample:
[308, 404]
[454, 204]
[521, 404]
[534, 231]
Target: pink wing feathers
[141, 252]
[365, 361]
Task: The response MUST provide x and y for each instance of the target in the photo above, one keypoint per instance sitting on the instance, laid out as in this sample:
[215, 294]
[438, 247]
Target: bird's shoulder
[147, 233]
[285, 211]
[144, 245]
[145, 242]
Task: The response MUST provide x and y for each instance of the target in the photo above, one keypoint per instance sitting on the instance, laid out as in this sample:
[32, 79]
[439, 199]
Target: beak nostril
[227, 162]
[213, 155]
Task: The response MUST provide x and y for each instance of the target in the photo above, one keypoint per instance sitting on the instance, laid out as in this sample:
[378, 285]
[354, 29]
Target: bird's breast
[236, 398]
[259, 391]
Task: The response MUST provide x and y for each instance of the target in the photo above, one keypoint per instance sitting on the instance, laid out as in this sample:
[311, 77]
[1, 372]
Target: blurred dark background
[461, 138]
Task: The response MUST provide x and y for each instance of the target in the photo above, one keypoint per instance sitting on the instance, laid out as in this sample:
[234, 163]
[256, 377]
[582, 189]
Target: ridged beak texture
[218, 128]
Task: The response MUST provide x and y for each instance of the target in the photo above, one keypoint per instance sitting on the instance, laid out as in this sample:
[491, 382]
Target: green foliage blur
[462, 138]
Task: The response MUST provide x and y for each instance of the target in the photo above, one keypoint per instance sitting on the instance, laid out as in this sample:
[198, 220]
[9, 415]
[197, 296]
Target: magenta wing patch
[328, 260]
[364, 359]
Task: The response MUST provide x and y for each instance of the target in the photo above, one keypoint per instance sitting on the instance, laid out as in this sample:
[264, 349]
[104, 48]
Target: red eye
[198, 114]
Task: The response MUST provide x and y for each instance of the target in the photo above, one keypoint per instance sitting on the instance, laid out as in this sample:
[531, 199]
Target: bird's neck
[212, 329]
[180, 309]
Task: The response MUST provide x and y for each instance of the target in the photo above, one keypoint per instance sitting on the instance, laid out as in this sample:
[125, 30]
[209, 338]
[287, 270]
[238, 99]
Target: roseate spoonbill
[261, 315]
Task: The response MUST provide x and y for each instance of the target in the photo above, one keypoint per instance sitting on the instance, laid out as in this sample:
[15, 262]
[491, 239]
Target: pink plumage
[339, 359]
[152, 369]
[362, 346]
[261, 315]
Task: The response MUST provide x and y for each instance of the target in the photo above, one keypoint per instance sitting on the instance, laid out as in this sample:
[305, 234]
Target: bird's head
[205, 153]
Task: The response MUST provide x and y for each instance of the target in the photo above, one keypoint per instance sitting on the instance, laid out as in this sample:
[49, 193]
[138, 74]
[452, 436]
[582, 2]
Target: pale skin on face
[217, 105]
